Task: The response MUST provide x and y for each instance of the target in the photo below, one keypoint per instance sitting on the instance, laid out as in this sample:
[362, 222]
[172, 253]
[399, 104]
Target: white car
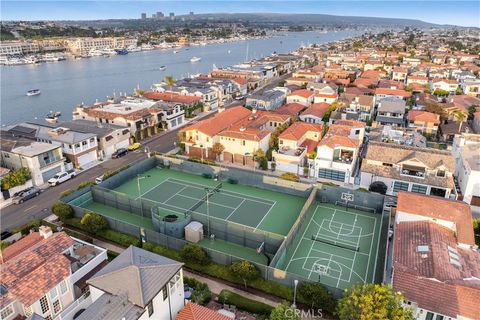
[61, 177]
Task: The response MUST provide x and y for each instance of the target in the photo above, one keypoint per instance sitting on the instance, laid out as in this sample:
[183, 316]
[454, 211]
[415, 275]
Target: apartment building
[83, 46]
[137, 284]
[407, 168]
[18, 47]
[44, 274]
[42, 159]
[436, 265]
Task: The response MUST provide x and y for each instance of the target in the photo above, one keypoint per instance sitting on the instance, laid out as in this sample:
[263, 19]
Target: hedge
[201, 293]
[243, 303]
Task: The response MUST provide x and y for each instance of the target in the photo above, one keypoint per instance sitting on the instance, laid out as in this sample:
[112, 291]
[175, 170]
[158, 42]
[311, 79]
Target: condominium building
[18, 47]
[83, 46]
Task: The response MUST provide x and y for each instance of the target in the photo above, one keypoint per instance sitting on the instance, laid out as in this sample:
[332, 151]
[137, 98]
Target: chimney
[254, 110]
[45, 231]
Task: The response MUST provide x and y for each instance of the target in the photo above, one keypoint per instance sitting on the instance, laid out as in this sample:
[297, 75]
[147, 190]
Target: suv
[119, 153]
[26, 194]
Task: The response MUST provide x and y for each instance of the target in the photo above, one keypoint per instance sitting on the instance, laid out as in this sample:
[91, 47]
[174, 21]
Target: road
[39, 207]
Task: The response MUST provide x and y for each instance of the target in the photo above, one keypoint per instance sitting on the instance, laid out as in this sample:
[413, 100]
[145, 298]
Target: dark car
[119, 153]
[26, 194]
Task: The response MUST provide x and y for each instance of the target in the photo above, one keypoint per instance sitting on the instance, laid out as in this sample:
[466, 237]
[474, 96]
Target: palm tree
[170, 83]
[460, 117]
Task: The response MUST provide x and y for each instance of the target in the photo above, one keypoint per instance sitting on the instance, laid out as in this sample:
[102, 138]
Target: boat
[162, 68]
[134, 49]
[95, 53]
[108, 52]
[195, 59]
[33, 92]
[52, 117]
[175, 51]
[146, 47]
[121, 51]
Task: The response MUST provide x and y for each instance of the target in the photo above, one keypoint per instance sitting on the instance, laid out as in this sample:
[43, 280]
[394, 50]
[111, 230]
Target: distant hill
[263, 19]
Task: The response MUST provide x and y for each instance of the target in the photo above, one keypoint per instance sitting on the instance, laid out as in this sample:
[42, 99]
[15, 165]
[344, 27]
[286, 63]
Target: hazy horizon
[460, 13]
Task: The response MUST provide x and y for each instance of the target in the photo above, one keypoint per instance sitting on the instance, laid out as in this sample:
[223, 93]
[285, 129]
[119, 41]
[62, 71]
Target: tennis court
[336, 246]
[182, 193]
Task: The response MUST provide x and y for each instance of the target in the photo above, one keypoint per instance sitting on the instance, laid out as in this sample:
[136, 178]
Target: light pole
[208, 212]
[294, 306]
[140, 177]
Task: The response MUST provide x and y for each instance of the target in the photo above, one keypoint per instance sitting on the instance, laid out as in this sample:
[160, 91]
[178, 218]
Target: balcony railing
[83, 301]
[49, 161]
[413, 173]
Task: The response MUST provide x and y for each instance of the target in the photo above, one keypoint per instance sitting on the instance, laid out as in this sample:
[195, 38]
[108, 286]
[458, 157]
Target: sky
[462, 13]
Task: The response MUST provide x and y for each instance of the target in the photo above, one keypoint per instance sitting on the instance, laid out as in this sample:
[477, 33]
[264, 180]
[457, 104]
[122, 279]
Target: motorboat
[195, 59]
[52, 117]
[162, 68]
[121, 51]
[33, 92]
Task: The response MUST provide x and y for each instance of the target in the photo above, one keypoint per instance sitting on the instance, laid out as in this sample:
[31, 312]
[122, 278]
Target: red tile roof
[439, 208]
[333, 141]
[304, 93]
[193, 311]
[317, 109]
[393, 92]
[292, 109]
[310, 144]
[298, 129]
[424, 116]
[168, 97]
[324, 95]
[20, 246]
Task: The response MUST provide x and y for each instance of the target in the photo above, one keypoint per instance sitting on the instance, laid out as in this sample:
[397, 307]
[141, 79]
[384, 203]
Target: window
[150, 308]
[57, 306]
[243, 142]
[44, 304]
[92, 140]
[331, 174]
[165, 293]
[440, 173]
[429, 316]
[400, 186]
[6, 312]
[53, 293]
[28, 311]
[77, 145]
[418, 188]
[387, 164]
[84, 143]
[63, 287]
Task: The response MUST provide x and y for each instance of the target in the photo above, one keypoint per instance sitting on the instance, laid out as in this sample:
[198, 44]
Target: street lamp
[294, 306]
[140, 177]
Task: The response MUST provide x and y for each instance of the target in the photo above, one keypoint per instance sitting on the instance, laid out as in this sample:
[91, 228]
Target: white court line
[243, 196]
[158, 185]
[303, 235]
[210, 202]
[378, 245]
[309, 252]
[355, 254]
[174, 195]
[266, 214]
[340, 231]
[362, 253]
[235, 209]
[360, 214]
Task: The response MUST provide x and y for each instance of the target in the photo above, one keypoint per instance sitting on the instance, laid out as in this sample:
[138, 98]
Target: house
[476, 122]
[449, 129]
[41, 158]
[110, 137]
[423, 121]
[295, 145]
[359, 105]
[407, 168]
[471, 87]
[193, 311]
[422, 80]
[399, 74]
[291, 109]
[466, 150]
[137, 284]
[338, 152]
[391, 112]
[78, 147]
[302, 96]
[315, 113]
[444, 84]
[296, 81]
[44, 274]
[382, 93]
[436, 266]
[266, 100]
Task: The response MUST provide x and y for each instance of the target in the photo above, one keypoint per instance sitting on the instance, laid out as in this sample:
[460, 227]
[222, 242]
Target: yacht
[162, 68]
[95, 53]
[146, 47]
[121, 51]
[195, 59]
[108, 52]
[134, 49]
[33, 92]
[52, 117]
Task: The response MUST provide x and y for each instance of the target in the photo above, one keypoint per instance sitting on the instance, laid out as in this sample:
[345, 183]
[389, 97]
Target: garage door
[87, 158]
[122, 144]
[48, 174]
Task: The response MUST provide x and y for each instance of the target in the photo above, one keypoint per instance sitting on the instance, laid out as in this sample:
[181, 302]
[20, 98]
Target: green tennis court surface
[335, 246]
[180, 192]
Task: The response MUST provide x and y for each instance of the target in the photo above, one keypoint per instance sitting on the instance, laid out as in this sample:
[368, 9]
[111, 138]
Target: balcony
[413, 171]
[81, 303]
[297, 152]
[84, 257]
[48, 161]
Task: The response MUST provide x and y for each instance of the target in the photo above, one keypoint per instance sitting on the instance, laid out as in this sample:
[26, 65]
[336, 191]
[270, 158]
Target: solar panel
[22, 129]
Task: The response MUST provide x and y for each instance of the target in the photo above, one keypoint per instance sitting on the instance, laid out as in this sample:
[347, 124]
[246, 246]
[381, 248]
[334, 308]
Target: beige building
[83, 46]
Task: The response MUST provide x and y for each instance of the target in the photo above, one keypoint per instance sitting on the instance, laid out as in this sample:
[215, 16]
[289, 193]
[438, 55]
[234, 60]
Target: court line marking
[142, 194]
[209, 201]
[358, 246]
[303, 235]
[378, 246]
[242, 196]
[362, 253]
[310, 251]
[266, 214]
[235, 209]
[340, 210]
[175, 194]
[346, 268]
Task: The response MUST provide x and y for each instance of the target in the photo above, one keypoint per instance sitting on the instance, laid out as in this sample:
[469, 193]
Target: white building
[83, 46]
[44, 274]
[137, 284]
[18, 47]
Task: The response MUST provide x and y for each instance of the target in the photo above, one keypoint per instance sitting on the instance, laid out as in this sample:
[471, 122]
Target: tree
[379, 187]
[460, 117]
[170, 81]
[62, 210]
[193, 253]
[471, 112]
[316, 295]
[244, 270]
[218, 149]
[284, 312]
[93, 222]
[372, 302]
[440, 92]
[139, 92]
[16, 178]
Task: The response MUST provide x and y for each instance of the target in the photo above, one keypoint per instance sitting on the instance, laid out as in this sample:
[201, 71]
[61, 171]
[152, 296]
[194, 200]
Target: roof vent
[242, 128]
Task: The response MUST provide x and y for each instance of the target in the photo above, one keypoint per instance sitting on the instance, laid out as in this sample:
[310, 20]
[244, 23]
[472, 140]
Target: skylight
[422, 248]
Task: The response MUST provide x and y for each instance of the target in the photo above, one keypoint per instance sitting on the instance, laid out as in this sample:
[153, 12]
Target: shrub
[93, 222]
[232, 181]
[201, 293]
[194, 254]
[263, 162]
[122, 239]
[244, 270]
[25, 229]
[316, 296]
[243, 303]
[290, 177]
[16, 178]
[62, 210]
[85, 184]
[66, 193]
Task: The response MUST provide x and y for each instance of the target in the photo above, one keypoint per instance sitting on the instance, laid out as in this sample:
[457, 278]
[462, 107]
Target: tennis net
[204, 199]
[335, 243]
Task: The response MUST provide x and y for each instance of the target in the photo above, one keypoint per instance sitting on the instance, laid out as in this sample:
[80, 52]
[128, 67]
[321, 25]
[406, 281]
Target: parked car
[5, 234]
[99, 180]
[238, 98]
[26, 194]
[119, 153]
[61, 177]
[134, 146]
